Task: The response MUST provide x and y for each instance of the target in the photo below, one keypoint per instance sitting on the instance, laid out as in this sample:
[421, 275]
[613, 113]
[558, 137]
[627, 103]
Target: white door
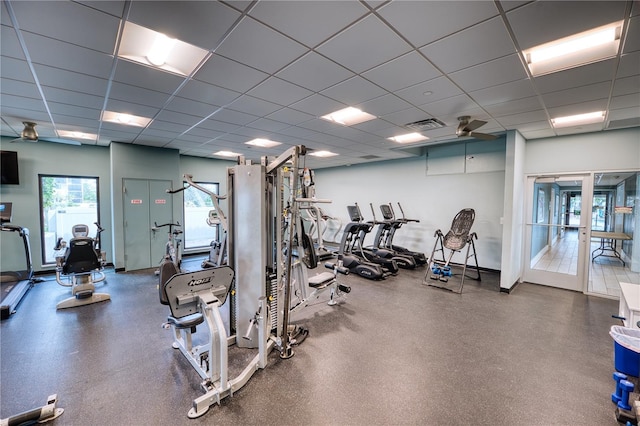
[556, 245]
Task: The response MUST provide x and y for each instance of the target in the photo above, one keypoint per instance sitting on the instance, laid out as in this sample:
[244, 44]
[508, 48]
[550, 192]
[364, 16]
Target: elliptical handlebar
[214, 198]
[404, 218]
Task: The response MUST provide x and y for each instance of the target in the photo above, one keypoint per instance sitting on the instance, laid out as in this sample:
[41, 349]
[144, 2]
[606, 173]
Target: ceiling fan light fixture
[29, 132]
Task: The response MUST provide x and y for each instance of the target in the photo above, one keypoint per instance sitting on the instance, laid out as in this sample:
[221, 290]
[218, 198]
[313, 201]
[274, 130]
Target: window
[197, 232]
[65, 201]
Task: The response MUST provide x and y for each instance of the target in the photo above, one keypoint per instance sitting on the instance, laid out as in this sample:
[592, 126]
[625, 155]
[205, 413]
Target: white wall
[513, 215]
[433, 199]
[613, 150]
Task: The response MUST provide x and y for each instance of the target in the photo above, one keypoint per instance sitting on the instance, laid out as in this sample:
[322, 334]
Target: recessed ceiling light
[323, 154]
[151, 48]
[408, 138]
[77, 135]
[227, 154]
[348, 116]
[126, 119]
[579, 49]
[574, 120]
[263, 143]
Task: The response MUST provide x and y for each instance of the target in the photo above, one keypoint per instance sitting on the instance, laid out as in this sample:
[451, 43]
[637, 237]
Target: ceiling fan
[466, 128]
[29, 134]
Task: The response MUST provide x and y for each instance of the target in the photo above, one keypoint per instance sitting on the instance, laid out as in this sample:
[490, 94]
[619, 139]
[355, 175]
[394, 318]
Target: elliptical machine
[352, 262]
[385, 237]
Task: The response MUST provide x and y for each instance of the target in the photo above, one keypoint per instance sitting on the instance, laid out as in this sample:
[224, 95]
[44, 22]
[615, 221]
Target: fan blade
[484, 136]
[472, 125]
[58, 140]
[23, 140]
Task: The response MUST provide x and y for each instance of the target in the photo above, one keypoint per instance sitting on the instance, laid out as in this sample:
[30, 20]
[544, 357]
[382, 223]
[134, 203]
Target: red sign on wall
[161, 201]
[137, 201]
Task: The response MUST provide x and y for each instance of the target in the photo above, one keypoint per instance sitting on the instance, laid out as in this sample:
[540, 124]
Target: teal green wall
[55, 159]
[110, 165]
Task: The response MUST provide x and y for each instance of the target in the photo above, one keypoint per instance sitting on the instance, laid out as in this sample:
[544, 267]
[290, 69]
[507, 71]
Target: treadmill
[15, 284]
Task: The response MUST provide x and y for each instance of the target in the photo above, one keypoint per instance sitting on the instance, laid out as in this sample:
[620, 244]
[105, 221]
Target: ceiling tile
[577, 94]
[279, 91]
[59, 78]
[314, 72]
[185, 120]
[254, 106]
[560, 19]
[626, 101]
[383, 105]
[66, 20]
[492, 73]
[138, 95]
[19, 88]
[194, 108]
[267, 125]
[233, 117]
[74, 111]
[629, 65]
[207, 93]
[456, 105]
[46, 51]
[201, 24]
[513, 107]
[578, 108]
[146, 77]
[423, 22]
[309, 22]
[406, 116]
[318, 105]
[290, 116]
[112, 7]
[131, 108]
[575, 77]
[229, 74]
[405, 71]
[429, 91]
[374, 42]
[508, 121]
[623, 86]
[504, 92]
[260, 47]
[353, 91]
[480, 43]
[217, 125]
[53, 94]
[10, 46]
[632, 43]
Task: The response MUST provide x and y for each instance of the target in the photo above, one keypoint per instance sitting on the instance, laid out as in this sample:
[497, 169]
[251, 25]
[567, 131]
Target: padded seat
[322, 279]
[190, 321]
[80, 257]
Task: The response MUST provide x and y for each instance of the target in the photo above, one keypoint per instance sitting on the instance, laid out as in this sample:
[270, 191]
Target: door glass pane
[554, 230]
[197, 204]
[66, 201]
[614, 252]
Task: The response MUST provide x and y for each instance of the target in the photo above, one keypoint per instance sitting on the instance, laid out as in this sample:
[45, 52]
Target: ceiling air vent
[428, 124]
[620, 124]
[370, 157]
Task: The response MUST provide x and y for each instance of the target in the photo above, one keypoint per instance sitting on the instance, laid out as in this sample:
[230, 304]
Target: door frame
[555, 279]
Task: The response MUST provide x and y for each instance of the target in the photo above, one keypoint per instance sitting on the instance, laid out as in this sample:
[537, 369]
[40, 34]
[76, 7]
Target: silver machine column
[258, 206]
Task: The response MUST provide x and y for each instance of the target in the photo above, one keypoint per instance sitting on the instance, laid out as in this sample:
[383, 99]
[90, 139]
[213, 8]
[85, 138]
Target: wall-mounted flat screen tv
[9, 168]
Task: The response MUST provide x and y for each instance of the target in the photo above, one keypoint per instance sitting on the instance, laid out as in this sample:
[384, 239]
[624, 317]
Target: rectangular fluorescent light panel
[323, 154]
[576, 120]
[227, 154]
[263, 143]
[576, 50]
[125, 119]
[348, 116]
[157, 50]
[77, 135]
[408, 138]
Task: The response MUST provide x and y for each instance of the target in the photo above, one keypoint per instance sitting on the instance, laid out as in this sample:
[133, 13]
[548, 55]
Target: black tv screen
[9, 168]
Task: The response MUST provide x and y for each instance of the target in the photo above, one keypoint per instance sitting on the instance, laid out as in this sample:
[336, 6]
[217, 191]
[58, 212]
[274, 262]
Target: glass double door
[558, 218]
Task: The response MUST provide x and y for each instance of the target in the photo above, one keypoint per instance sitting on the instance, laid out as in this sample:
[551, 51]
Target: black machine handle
[175, 191]
[340, 269]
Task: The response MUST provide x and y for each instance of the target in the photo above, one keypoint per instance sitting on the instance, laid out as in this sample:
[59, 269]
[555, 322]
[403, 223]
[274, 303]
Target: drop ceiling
[275, 67]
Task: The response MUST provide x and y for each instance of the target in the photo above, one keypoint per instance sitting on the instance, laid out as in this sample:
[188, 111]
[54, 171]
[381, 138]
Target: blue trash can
[626, 350]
